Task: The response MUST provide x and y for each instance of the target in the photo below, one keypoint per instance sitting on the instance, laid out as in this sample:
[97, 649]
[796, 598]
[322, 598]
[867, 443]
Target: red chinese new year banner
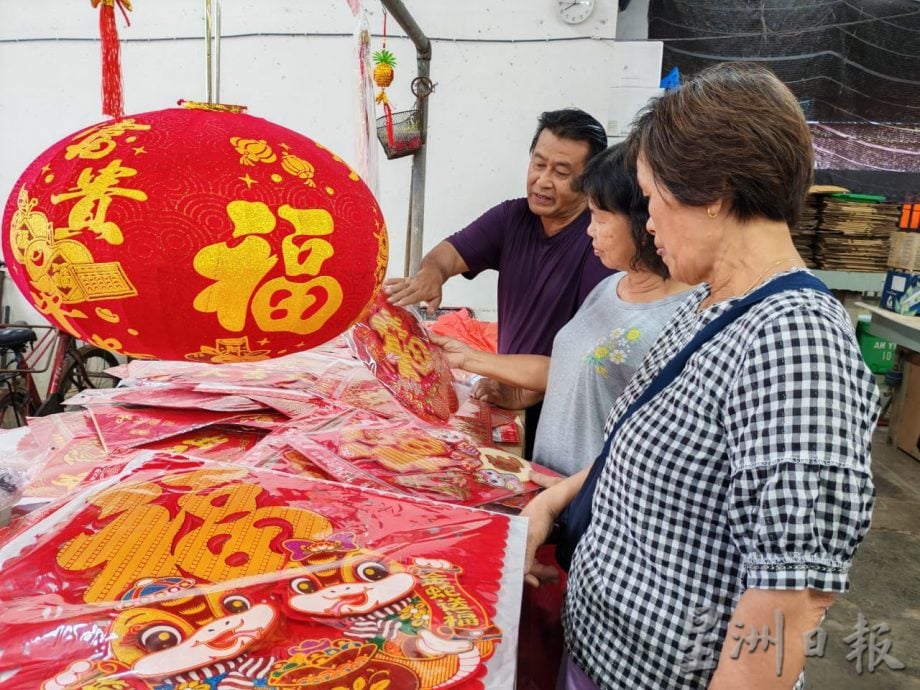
[395, 347]
[181, 573]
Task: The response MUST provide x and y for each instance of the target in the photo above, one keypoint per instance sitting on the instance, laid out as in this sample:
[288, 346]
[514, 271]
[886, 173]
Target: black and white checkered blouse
[749, 470]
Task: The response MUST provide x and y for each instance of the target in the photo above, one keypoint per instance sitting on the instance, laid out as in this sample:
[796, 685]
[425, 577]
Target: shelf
[853, 281]
[903, 330]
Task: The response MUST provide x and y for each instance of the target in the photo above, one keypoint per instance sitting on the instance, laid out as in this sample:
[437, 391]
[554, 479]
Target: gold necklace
[711, 300]
[763, 273]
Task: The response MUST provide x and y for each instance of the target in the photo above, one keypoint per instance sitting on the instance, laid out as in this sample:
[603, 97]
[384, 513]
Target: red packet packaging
[437, 463]
[181, 573]
[395, 347]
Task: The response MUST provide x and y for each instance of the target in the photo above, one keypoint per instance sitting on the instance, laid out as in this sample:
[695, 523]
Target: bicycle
[73, 368]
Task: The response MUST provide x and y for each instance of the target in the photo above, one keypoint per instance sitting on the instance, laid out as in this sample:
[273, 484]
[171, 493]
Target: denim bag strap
[576, 517]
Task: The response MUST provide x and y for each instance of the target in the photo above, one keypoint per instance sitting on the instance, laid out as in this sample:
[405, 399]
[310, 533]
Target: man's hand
[424, 286]
[437, 266]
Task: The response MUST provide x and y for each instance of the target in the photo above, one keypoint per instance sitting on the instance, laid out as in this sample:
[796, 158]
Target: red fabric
[540, 638]
[482, 335]
[194, 234]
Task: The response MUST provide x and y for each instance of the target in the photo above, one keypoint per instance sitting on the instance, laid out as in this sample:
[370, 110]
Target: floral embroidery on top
[613, 349]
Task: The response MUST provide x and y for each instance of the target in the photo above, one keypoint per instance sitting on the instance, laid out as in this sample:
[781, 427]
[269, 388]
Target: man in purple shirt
[538, 244]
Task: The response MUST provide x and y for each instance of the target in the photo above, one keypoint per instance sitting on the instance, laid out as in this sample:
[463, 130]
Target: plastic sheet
[181, 573]
[443, 465]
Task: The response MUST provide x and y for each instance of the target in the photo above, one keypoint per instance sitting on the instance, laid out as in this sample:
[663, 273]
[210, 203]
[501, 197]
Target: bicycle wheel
[87, 370]
[14, 408]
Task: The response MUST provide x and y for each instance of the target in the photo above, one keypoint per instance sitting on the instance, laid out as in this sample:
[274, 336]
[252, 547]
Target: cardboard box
[625, 104]
[905, 251]
[901, 293]
[637, 63]
[906, 432]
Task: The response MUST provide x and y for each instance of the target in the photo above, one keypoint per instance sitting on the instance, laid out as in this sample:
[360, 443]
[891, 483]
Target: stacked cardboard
[803, 235]
[855, 233]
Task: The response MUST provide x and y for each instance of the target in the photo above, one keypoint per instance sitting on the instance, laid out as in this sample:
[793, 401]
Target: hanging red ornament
[384, 71]
[195, 233]
[112, 95]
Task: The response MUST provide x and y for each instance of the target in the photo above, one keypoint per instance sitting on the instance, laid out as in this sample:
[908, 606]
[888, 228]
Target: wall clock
[574, 11]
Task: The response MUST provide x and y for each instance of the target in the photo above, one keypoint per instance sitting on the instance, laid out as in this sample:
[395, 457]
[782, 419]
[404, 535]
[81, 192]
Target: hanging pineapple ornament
[384, 64]
[400, 133]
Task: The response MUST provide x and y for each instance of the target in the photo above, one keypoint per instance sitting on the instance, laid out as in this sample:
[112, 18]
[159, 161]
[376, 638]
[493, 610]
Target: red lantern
[195, 233]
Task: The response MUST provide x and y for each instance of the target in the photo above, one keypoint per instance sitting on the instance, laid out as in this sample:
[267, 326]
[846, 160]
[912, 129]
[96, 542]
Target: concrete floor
[884, 585]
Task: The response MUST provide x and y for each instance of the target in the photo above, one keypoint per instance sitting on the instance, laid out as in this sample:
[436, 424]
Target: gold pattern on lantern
[253, 151]
[330, 191]
[248, 180]
[276, 177]
[99, 141]
[383, 253]
[133, 331]
[94, 281]
[228, 350]
[94, 196]
[107, 315]
[247, 279]
[298, 167]
[105, 343]
[61, 271]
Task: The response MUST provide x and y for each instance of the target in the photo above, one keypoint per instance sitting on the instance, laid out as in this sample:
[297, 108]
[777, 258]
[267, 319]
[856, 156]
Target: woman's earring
[710, 213]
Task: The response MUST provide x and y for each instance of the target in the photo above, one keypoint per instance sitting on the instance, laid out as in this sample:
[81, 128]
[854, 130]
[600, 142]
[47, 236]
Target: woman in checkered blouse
[731, 504]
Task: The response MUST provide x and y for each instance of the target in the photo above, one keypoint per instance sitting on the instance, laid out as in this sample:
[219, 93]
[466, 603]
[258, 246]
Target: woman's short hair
[609, 182]
[733, 132]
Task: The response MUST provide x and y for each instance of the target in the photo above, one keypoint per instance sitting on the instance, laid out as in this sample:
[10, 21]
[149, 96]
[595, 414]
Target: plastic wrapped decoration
[394, 346]
[198, 234]
[188, 574]
[440, 463]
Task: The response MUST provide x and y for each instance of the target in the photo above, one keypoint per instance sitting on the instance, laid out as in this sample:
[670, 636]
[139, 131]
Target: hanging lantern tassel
[112, 96]
[384, 62]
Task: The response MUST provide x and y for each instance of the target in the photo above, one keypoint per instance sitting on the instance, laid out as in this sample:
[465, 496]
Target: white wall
[489, 93]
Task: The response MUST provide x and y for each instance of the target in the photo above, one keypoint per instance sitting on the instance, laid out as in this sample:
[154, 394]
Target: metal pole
[417, 186]
[207, 47]
[217, 54]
